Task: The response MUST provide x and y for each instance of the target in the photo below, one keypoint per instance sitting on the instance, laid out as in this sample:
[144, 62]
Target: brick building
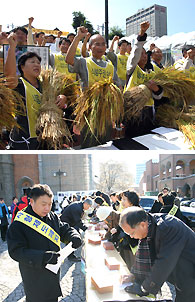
[20, 171]
[176, 171]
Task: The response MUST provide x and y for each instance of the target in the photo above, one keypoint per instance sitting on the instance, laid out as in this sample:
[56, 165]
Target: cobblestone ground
[11, 288]
[72, 281]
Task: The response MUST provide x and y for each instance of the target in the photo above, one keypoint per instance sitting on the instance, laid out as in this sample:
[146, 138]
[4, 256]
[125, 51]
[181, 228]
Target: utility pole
[106, 21]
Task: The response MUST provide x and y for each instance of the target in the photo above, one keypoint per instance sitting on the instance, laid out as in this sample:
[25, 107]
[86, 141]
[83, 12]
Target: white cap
[103, 212]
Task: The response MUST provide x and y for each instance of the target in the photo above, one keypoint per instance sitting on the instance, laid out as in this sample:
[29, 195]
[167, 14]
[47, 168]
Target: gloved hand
[50, 257]
[76, 242]
[135, 289]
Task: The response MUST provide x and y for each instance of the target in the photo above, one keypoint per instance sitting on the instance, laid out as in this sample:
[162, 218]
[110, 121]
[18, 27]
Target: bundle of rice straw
[11, 104]
[134, 101]
[99, 106]
[174, 117]
[188, 130]
[51, 127]
[178, 86]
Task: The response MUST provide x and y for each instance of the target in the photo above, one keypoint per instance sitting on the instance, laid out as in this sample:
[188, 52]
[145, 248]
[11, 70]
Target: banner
[49, 32]
[42, 51]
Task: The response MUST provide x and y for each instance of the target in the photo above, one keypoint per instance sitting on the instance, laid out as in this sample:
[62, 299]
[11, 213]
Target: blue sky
[51, 14]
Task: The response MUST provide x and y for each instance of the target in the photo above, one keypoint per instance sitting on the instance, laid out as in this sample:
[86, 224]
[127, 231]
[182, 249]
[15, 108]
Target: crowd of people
[86, 64]
[157, 246]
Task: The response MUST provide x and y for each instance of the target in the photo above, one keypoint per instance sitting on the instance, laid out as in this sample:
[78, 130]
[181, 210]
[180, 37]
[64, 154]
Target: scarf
[143, 262]
[1, 211]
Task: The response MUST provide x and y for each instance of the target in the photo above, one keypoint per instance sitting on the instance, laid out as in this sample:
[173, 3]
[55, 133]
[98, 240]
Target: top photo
[101, 75]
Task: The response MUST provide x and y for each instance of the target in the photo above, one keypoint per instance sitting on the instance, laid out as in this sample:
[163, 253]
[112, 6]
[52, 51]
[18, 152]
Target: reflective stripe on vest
[97, 73]
[33, 103]
[134, 249]
[138, 77]
[62, 66]
[173, 210]
[122, 66]
[38, 226]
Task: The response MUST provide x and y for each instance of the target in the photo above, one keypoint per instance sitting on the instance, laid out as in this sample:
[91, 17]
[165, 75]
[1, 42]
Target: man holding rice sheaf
[137, 75]
[94, 73]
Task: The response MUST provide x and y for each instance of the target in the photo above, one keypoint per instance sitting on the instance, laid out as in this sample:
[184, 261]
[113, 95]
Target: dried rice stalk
[99, 106]
[173, 117]
[11, 104]
[134, 101]
[189, 131]
[51, 127]
[178, 86]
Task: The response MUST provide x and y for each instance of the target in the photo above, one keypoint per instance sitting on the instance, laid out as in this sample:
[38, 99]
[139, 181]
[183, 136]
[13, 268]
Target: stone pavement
[11, 288]
[72, 281]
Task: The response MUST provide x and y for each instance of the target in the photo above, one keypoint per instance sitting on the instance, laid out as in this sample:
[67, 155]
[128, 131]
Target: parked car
[188, 203]
[189, 212]
[146, 202]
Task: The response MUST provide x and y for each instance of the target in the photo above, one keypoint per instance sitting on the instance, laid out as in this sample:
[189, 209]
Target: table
[94, 256]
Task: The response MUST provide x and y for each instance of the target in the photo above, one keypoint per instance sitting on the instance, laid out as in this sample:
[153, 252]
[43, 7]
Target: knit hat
[103, 212]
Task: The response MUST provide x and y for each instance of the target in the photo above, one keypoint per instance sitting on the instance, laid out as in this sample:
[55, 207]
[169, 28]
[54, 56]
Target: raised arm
[81, 33]
[116, 38]
[84, 46]
[10, 64]
[137, 49]
[30, 40]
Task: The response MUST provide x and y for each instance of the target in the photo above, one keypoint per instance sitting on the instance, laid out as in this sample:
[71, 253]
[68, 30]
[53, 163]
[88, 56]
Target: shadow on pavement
[16, 294]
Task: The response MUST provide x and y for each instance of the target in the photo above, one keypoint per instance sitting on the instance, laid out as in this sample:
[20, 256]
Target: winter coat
[174, 248]
[72, 214]
[27, 246]
[4, 213]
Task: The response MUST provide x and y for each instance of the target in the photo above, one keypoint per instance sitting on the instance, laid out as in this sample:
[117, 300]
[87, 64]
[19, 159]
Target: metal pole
[59, 173]
[106, 21]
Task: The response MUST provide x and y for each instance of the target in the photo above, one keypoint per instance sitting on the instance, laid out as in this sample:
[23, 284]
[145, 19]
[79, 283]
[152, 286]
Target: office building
[156, 15]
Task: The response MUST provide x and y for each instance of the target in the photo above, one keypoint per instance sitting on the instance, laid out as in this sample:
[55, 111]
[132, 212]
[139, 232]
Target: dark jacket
[178, 214]
[72, 214]
[157, 205]
[5, 212]
[174, 245]
[27, 246]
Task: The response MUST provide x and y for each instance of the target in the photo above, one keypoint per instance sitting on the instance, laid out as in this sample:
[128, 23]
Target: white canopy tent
[171, 46]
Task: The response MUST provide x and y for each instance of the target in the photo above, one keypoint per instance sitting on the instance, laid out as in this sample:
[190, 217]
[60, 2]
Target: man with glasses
[166, 252]
[91, 70]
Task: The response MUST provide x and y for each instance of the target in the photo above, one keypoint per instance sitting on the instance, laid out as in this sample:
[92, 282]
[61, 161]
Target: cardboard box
[109, 246]
[101, 284]
[97, 227]
[112, 263]
[94, 240]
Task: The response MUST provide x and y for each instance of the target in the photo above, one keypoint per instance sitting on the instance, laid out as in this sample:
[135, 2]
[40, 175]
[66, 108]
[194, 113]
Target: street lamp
[59, 173]
[106, 21]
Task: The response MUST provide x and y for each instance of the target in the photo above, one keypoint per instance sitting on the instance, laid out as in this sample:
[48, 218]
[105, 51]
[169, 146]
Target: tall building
[155, 14]
[140, 168]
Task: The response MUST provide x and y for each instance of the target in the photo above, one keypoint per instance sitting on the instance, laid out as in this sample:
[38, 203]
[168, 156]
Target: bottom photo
[101, 226]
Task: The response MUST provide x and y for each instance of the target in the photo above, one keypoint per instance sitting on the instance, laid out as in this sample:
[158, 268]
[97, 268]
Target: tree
[79, 19]
[116, 31]
[114, 177]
